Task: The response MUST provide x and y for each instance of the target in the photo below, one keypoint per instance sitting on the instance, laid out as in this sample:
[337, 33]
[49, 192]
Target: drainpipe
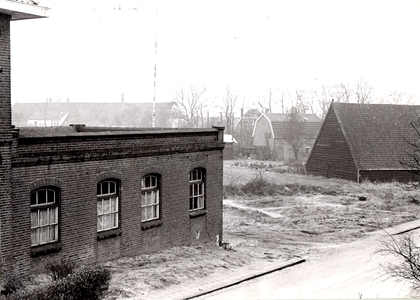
[358, 176]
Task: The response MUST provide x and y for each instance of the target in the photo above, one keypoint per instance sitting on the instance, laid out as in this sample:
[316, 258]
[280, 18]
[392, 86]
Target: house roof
[277, 121]
[375, 132]
[50, 113]
[94, 114]
[23, 9]
[228, 138]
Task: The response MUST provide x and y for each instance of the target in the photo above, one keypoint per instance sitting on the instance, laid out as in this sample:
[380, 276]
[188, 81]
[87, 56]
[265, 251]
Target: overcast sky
[92, 51]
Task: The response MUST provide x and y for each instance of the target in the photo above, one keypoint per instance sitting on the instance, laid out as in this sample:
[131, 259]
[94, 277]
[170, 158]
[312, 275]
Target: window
[196, 189]
[107, 205]
[149, 198]
[44, 216]
[307, 150]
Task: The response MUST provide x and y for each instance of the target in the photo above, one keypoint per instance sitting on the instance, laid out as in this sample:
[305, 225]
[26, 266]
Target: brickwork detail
[49, 181]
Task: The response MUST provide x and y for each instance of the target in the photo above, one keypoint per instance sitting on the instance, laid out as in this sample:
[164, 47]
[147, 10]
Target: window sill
[46, 249]
[151, 224]
[197, 213]
[109, 234]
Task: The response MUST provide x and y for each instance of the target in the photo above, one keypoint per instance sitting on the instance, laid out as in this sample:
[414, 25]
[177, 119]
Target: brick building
[96, 194]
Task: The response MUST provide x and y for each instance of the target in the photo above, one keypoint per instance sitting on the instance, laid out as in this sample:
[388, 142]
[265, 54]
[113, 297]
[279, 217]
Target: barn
[364, 142]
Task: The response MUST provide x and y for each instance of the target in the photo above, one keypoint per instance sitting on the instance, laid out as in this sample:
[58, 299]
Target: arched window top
[44, 196]
[197, 175]
[149, 181]
[107, 187]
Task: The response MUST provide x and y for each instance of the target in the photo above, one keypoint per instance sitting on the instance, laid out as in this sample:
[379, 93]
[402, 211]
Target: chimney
[122, 97]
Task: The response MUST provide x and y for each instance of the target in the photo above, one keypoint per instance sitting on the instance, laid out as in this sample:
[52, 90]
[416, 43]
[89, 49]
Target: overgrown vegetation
[291, 167]
[405, 249]
[60, 268]
[260, 185]
[68, 282]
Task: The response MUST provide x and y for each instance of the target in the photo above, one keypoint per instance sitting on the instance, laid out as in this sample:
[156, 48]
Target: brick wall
[5, 146]
[5, 91]
[75, 165]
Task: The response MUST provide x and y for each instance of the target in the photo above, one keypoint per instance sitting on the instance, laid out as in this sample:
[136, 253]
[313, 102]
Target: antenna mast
[154, 84]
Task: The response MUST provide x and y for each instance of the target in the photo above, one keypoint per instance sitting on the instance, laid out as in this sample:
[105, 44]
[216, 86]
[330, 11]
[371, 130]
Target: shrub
[86, 283]
[258, 186]
[60, 268]
[12, 283]
[406, 249]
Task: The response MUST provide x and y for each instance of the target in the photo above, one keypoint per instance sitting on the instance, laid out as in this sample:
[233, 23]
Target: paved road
[347, 271]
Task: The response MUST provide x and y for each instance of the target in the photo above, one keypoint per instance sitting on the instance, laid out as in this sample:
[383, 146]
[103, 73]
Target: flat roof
[23, 9]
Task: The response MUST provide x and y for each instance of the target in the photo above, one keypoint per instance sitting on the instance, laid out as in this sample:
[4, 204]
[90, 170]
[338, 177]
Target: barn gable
[331, 156]
[374, 136]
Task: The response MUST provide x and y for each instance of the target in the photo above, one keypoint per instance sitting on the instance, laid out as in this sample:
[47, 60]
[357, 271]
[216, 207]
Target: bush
[408, 269]
[258, 186]
[12, 283]
[85, 283]
[60, 268]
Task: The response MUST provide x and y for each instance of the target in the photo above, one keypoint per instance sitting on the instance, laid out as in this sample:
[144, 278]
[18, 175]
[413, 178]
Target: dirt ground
[307, 215]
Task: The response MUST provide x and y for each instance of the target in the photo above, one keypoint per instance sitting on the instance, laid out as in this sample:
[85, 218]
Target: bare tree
[412, 160]
[189, 104]
[408, 252]
[266, 103]
[363, 92]
[341, 92]
[397, 97]
[301, 100]
[282, 102]
[323, 100]
[229, 99]
[295, 130]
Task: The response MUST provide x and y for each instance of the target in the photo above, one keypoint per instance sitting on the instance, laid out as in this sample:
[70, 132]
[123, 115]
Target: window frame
[109, 196]
[47, 206]
[307, 150]
[200, 181]
[154, 190]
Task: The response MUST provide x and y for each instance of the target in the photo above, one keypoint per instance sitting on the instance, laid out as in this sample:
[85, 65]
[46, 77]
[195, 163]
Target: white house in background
[270, 132]
[51, 118]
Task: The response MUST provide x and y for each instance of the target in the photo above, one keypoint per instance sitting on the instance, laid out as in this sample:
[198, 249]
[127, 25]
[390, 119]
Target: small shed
[364, 142]
[230, 143]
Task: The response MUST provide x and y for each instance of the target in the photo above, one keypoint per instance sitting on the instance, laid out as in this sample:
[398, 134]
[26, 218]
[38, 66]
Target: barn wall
[388, 176]
[330, 156]
[262, 128]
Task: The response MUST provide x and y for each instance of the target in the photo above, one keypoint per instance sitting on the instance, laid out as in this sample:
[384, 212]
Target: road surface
[340, 271]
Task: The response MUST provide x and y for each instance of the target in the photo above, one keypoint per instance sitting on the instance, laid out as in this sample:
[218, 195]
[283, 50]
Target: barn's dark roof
[312, 124]
[375, 132]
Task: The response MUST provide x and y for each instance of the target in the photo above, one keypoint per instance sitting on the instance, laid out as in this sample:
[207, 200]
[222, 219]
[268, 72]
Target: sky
[95, 50]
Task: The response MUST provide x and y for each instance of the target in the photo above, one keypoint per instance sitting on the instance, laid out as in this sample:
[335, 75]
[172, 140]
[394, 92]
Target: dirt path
[347, 271]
